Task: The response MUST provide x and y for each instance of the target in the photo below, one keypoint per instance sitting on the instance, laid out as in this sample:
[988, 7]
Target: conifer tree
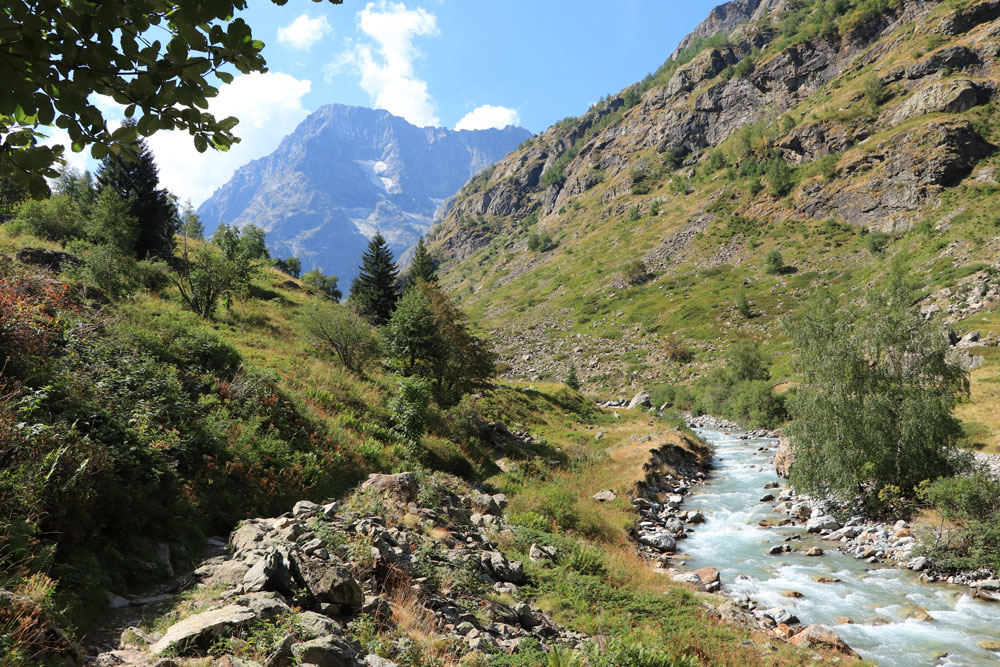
[373, 291]
[422, 266]
[136, 180]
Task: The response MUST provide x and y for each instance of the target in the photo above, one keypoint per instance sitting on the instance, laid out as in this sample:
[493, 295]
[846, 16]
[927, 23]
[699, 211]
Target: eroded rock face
[899, 175]
[950, 96]
[784, 457]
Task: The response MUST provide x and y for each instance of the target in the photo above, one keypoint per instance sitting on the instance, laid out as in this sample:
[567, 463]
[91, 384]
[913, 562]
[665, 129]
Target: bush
[636, 273]
[341, 330]
[754, 403]
[55, 219]
[675, 350]
[572, 381]
[876, 92]
[780, 177]
[742, 305]
[774, 263]
[410, 406]
[540, 242]
[972, 505]
[877, 242]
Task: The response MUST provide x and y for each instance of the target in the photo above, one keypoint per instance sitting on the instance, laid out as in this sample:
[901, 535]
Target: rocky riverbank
[887, 542]
[351, 583]
[671, 474]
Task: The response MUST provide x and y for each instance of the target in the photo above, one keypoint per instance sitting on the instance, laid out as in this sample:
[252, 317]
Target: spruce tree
[136, 180]
[373, 291]
[422, 266]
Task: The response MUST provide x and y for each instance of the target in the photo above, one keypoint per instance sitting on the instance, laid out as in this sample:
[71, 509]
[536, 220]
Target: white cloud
[488, 116]
[269, 107]
[384, 60]
[303, 32]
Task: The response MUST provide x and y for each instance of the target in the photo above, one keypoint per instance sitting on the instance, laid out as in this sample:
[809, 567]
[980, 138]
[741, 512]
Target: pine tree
[373, 291]
[422, 266]
[136, 180]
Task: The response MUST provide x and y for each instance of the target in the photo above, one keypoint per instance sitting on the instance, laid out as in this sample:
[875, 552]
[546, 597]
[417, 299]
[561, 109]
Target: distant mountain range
[346, 172]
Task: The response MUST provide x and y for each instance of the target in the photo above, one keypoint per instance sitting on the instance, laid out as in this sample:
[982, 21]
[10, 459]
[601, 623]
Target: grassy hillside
[133, 429]
[820, 140]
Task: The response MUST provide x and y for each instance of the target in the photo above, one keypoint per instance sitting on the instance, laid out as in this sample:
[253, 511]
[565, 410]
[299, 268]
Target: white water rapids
[876, 599]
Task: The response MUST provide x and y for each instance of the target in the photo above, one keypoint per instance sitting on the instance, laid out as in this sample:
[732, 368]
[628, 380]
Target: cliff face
[860, 116]
[346, 172]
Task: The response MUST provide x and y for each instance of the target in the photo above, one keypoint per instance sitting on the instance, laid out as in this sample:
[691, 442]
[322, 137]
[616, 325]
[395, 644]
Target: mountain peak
[347, 171]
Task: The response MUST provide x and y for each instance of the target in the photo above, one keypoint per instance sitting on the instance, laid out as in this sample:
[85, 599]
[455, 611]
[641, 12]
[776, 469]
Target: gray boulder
[332, 584]
[324, 652]
[640, 400]
[201, 629]
[821, 523]
[496, 565]
[660, 541]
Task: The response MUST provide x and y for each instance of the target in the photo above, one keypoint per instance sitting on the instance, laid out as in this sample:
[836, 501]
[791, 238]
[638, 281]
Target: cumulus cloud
[384, 59]
[269, 106]
[304, 31]
[488, 116]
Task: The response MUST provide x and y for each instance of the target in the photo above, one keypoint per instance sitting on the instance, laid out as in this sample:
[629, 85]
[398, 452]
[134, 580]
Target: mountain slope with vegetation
[810, 148]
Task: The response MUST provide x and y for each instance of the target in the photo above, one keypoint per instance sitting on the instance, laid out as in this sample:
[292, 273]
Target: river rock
[659, 541]
[817, 635]
[821, 523]
[690, 578]
[990, 645]
[813, 551]
[918, 564]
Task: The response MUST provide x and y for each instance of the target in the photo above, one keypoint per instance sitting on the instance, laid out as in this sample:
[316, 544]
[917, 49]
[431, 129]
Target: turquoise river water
[876, 599]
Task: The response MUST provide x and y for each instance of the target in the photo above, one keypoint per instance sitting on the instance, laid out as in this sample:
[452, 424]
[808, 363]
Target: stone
[821, 523]
[689, 578]
[826, 580]
[324, 652]
[53, 260]
[543, 554]
[674, 525]
[497, 565]
[317, 625]
[201, 629]
[948, 96]
[777, 550]
[695, 517]
[305, 508]
[784, 457]
[791, 594]
[708, 575]
[918, 564]
[605, 495]
[659, 541]
[990, 645]
[817, 635]
[813, 551]
[640, 400]
[268, 573]
[332, 584]
[767, 497]
[402, 485]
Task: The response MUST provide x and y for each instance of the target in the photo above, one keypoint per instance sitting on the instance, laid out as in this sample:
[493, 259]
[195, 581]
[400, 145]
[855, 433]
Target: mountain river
[876, 599]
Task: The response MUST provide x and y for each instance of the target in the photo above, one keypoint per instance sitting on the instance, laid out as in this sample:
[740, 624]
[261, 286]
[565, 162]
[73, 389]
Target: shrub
[540, 242]
[876, 242]
[780, 177]
[572, 381]
[774, 263]
[341, 330]
[675, 350]
[742, 305]
[875, 91]
[410, 406]
[972, 505]
[55, 219]
[635, 272]
[754, 403]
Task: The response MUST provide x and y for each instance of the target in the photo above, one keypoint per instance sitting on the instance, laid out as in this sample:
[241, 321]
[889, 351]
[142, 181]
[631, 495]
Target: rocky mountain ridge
[875, 119]
[346, 172]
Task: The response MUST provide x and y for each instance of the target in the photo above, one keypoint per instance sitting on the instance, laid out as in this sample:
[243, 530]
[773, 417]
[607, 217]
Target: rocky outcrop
[53, 260]
[881, 186]
[319, 568]
[950, 96]
[784, 457]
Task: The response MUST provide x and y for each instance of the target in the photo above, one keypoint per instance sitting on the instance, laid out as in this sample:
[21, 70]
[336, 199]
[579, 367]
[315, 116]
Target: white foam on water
[877, 599]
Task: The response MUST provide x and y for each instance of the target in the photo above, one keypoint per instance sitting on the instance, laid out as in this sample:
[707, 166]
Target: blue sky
[463, 64]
